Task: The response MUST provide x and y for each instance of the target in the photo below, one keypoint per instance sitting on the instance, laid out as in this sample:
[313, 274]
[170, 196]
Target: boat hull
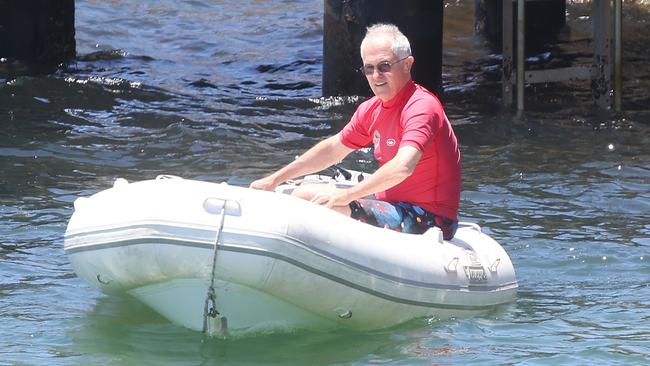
[275, 261]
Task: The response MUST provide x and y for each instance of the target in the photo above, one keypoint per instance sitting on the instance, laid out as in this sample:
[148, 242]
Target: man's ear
[409, 62]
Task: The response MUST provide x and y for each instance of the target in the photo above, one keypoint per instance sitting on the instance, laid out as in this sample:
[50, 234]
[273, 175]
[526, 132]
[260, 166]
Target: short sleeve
[420, 120]
[356, 134]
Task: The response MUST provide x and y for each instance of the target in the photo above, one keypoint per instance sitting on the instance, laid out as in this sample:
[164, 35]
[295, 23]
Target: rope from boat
[210, 308]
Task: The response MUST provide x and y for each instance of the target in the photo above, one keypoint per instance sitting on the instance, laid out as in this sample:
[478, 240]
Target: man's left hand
[332, 197]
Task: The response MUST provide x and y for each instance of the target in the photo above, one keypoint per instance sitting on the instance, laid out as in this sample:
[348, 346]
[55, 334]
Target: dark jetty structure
[518, 27]
[39, 36]
[36, 35]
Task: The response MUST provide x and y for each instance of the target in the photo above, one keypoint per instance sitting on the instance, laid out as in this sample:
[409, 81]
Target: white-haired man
[417, 184]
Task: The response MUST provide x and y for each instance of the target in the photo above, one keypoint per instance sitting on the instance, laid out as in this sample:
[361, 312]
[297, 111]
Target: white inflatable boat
[227, 259]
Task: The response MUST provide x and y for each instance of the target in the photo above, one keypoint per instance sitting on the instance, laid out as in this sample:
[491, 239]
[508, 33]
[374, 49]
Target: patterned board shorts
[401, 216]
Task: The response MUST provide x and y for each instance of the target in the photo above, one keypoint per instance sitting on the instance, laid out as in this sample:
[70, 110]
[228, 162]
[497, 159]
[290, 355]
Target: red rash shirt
[414, 117]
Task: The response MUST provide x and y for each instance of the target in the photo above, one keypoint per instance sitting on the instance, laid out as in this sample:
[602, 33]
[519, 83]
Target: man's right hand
[264, 184]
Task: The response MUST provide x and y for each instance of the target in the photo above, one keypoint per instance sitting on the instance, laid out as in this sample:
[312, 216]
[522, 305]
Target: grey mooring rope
[210, 308]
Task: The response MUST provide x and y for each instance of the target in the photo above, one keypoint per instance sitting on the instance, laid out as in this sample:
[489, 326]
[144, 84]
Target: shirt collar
[406, 90]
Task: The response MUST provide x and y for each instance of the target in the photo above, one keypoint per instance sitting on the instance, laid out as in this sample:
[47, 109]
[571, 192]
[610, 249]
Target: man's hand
[319, 157]
[264, 184]
[332, 197]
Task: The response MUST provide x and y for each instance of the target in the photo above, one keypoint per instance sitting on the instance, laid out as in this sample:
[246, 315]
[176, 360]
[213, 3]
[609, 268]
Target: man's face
[385, 85]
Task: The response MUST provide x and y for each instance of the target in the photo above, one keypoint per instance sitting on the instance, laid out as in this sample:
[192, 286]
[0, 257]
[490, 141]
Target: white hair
[399, 43]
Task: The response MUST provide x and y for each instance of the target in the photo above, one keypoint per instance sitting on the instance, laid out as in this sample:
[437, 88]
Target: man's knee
[307, 191]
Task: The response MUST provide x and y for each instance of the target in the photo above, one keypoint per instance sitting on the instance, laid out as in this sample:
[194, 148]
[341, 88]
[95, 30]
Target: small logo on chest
[390, 142]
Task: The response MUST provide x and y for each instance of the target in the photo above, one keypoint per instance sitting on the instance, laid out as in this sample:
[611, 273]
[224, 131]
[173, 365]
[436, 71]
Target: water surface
[229, 91]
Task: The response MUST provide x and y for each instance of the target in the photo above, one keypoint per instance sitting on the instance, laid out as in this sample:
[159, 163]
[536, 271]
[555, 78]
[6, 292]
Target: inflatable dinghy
[225, 259]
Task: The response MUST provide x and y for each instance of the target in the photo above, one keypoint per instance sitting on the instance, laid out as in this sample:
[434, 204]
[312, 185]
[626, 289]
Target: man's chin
[381, 91]
[385, 97]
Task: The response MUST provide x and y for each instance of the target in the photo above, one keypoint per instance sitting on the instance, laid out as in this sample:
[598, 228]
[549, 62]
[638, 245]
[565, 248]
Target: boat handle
[120, 182]
[346, 315]
[167, 176]
[216, 206]
[495, 265]
[103, 282]
[452, 266]
[471, 225]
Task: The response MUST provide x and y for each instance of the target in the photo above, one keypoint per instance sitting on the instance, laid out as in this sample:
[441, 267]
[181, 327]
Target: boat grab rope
[210, 308]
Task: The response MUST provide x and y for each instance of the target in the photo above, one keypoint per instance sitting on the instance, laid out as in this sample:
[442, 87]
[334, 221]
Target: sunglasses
[382, 67]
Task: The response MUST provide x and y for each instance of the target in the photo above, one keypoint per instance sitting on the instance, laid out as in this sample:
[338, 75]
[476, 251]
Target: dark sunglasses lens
[383, 67]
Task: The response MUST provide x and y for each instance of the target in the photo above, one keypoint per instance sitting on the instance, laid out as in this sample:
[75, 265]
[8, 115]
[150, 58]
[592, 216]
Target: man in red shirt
[417, 184]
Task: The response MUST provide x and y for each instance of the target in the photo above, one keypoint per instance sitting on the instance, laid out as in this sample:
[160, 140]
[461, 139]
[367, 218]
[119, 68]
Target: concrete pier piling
[345, 23]
[36, 34]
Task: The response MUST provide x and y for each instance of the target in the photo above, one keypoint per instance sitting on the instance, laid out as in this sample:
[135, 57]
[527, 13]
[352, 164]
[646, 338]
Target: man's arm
[389, 175]
[319, 157]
